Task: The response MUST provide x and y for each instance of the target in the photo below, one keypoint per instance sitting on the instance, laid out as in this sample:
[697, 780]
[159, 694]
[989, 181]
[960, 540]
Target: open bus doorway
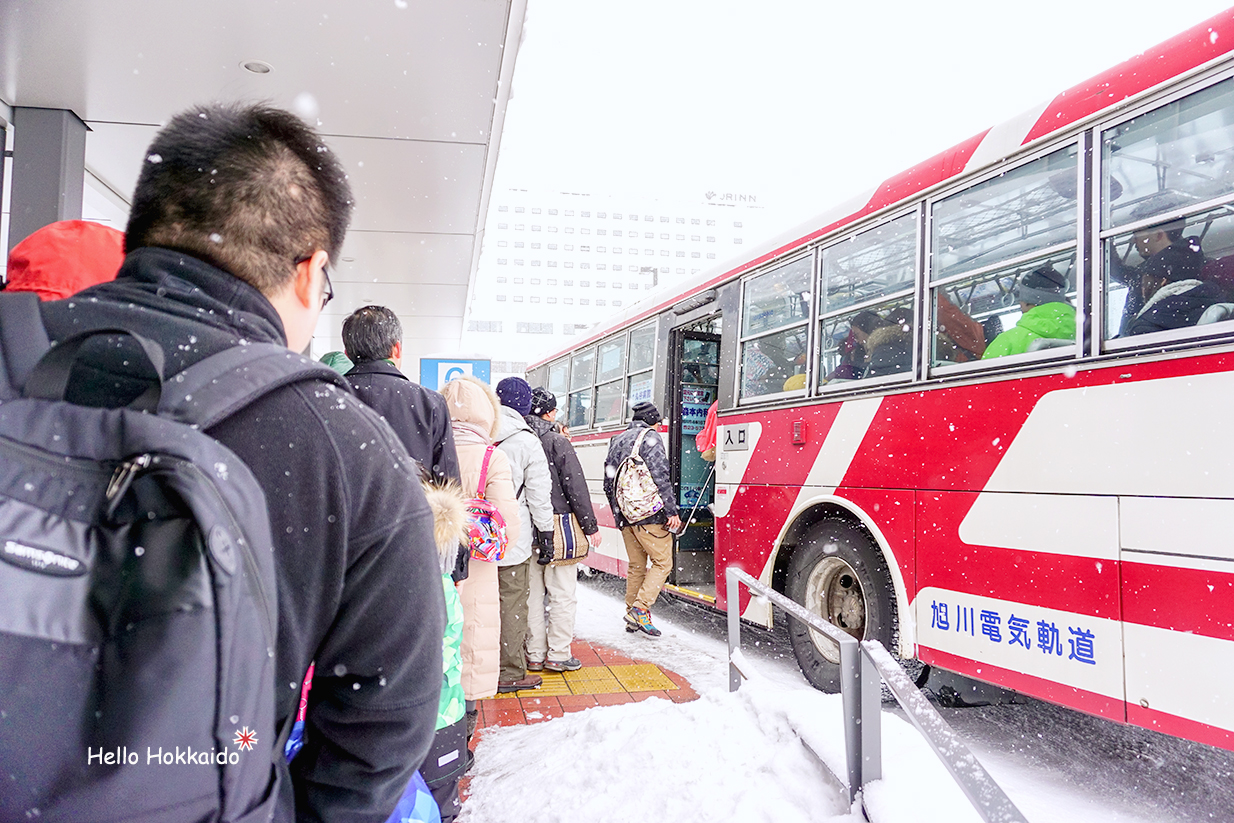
[694, 380]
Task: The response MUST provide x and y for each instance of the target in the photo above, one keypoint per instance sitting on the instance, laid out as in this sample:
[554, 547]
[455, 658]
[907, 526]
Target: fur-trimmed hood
[473, 401]
[448, 504]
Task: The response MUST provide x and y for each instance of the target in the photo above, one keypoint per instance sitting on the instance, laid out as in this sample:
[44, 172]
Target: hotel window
[518, 298]
[535, 281]
[518, 209]
[569, 212]
[503, 208]
[552, 211]
[501, 298]
[503, 225]
[501, 279]
[518, 280]
[501, 261]
[518, 244]
[535, 211]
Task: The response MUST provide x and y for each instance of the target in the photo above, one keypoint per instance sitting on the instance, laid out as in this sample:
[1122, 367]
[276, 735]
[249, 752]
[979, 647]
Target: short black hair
[249, 188]
[370, 333]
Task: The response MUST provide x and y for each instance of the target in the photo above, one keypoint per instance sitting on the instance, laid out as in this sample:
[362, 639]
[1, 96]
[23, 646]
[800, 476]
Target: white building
[555, 263]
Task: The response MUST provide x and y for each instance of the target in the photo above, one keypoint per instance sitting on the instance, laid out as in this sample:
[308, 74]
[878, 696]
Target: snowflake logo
[245, 739]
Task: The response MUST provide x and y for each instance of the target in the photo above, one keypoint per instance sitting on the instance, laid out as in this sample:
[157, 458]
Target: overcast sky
[800, 102]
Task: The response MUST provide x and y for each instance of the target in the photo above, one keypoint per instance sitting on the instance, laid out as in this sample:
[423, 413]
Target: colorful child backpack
[486, 528]
[636, 493]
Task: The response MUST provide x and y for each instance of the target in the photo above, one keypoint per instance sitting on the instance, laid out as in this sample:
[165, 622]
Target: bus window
[1177, 272]
[1021, 211]
[1171, 275]
[1185, 147]
[638, 389]
[612, 360]
[1013, 310]
[983, 308]
[558, 374]
[580, 409]
[867, 303]
[778, 298]
[642, 348]
[582, 369]
[609, 403]
[773, 358]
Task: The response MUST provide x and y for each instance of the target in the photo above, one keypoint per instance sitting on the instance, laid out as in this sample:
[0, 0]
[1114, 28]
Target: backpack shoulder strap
[488, 453]
[638, 443]
[23, 340]
[218, 386]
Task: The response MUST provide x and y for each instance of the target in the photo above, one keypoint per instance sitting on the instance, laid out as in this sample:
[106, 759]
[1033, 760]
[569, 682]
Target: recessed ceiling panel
[433, 66]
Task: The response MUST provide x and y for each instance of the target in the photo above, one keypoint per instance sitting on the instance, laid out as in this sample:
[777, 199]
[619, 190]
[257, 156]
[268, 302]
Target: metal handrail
[862, 666]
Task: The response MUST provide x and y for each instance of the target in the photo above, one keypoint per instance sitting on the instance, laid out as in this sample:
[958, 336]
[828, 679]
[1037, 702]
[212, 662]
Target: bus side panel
[893, 513]
[1042, 602]
[1178, 603]
[746, 535]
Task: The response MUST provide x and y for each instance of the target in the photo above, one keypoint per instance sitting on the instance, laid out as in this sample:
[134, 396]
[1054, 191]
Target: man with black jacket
[650, 538]
[373, 340]
[550, 629]
[237, 212]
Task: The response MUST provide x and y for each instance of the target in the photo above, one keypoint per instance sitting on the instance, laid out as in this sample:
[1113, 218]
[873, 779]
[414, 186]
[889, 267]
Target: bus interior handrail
[863, 665]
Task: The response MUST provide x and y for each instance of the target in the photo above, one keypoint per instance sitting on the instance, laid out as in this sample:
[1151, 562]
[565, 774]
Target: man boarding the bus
[237, 212]
[648, 537]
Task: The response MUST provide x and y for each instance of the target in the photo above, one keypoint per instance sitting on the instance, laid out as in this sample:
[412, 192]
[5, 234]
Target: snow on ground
[758, 754]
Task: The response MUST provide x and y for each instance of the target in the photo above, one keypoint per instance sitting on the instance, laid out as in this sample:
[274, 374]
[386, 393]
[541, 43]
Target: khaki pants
[651, 542]
[513, 586]
[550, 624]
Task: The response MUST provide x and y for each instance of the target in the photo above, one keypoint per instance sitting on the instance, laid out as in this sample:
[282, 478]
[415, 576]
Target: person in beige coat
[474, 413]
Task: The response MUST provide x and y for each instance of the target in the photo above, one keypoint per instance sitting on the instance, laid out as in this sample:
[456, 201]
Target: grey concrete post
[49, 169]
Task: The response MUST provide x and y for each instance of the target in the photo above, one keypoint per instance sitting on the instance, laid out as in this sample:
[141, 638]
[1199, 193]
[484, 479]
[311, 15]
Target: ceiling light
[257, 66]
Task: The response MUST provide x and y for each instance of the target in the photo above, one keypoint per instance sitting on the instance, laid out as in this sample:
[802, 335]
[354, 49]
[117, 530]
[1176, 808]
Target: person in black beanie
[533, 487]
[550, 625]
[650, 537]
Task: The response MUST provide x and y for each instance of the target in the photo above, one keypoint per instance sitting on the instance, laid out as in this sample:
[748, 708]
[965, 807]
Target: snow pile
[722, 757]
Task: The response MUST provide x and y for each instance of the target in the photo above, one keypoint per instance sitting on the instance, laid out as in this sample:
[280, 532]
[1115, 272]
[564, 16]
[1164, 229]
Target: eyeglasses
[327, 291]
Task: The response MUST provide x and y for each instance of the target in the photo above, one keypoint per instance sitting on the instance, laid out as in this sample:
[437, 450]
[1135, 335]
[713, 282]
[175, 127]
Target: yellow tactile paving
[597, 680]
[553, 685]
[642, 677]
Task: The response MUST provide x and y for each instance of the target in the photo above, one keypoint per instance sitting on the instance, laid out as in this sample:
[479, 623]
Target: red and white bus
[1057, 519]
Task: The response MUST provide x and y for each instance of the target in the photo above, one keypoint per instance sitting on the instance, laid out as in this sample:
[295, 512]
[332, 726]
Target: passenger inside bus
[1150, 242]
[891, 345]
[1047, 314]
[1174, 295]
[852, 349]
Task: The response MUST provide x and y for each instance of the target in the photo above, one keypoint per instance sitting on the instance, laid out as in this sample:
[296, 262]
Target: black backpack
[138, 602]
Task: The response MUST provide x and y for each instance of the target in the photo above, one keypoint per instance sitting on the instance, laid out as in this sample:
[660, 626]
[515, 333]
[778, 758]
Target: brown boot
[531, 681]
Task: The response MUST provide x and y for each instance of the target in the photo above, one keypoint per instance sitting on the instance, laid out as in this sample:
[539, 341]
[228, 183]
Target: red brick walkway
[607, 678]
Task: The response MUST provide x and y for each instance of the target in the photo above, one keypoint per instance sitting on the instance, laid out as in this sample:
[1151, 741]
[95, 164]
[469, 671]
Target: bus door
[693, 382]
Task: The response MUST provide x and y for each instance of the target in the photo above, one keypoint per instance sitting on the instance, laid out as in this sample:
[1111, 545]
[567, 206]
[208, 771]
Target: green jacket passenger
[1047, 314]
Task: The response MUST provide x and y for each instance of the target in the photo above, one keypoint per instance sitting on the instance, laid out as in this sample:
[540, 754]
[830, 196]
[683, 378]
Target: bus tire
[838, 573]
